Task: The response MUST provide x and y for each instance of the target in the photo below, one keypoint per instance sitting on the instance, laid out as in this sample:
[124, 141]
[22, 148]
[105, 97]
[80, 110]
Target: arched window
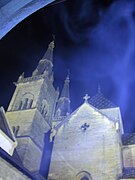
[83, 175]
[15, 130]
[20, 105]
[58, 113]
[26, 102]
[44, 108]
[29, 103]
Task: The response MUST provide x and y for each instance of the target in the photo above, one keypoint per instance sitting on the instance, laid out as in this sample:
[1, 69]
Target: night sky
[95, 39]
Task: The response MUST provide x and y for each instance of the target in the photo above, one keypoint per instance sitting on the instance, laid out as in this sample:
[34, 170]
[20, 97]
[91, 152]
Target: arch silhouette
[83, 175]
[13, 12]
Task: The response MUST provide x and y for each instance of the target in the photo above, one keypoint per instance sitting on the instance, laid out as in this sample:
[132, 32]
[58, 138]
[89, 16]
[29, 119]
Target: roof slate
[100, 102]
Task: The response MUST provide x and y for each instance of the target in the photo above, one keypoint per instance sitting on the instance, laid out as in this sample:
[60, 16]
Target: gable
[86, 140]
[86, 115]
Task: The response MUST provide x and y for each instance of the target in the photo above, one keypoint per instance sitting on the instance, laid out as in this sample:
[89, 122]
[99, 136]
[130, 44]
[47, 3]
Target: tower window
[44, 111]
[25, 104]
[30, 103]
[15, 130]
[58, 113]
[44, 108]
[20, 105]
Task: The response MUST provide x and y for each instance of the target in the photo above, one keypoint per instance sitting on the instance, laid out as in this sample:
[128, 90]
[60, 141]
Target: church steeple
[45, 65]
[65, 91]
[49, 53]
[35, 97]
[63, 106]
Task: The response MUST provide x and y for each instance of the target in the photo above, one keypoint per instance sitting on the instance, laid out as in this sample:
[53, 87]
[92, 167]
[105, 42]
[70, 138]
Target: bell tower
[31, 110]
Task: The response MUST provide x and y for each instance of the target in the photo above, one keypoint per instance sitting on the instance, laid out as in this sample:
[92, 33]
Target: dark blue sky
[95, 39]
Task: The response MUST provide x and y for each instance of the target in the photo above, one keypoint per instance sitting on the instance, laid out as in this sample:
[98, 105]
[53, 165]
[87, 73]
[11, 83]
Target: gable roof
[100, 102]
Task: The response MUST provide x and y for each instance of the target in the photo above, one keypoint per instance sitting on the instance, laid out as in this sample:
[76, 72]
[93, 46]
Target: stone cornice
[32, 78]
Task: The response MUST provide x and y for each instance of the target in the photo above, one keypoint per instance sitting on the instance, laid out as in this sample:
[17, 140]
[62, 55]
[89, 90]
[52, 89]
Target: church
[40, 138]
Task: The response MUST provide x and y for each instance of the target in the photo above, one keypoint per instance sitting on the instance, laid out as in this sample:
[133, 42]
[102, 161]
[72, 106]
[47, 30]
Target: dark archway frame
[82, 174]
[12, 12]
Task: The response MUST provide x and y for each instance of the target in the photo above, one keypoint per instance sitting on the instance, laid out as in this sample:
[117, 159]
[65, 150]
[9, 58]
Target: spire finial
[99, 88]
[65, 91]
[67, 80]
[68, 72]
[49, 53]
[21, 77]
[86, 97]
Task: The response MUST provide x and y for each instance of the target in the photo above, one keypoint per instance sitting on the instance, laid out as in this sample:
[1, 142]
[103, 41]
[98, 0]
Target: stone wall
[29, 153]
[8, 172]
[129, 155]
[96, 150]
[31, 124]
[22, 89]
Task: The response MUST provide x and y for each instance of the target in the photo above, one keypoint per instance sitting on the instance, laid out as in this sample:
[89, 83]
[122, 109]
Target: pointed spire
[65, 91]
[21, 77]
[63, 106]
[49, 53]
[45, 65]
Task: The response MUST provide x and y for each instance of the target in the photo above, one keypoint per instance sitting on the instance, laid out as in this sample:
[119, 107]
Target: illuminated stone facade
[87, 141]
[31, 111]
[8, 172]
[53, 143]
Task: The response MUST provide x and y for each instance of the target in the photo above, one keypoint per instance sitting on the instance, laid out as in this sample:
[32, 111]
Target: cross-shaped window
[85, 126]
